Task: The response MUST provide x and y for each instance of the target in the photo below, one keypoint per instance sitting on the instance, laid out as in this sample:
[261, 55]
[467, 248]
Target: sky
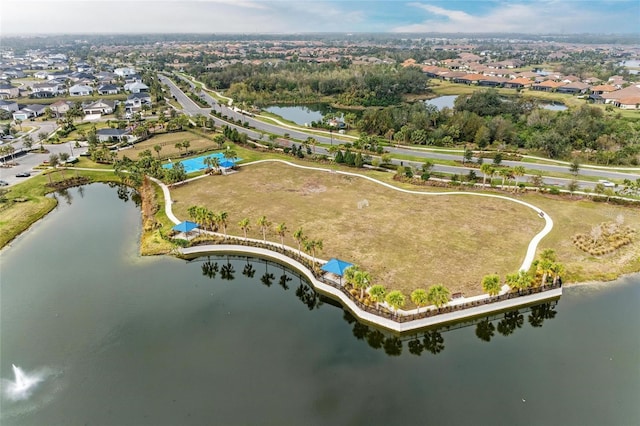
[309, 16]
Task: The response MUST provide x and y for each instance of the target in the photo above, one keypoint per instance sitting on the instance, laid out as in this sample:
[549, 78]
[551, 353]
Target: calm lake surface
[118, 339]
[298, 114]
[448, 102]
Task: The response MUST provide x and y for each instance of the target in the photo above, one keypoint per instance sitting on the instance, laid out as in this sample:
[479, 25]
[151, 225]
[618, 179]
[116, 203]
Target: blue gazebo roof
[185, 226]
[227, 164]
[336, 266]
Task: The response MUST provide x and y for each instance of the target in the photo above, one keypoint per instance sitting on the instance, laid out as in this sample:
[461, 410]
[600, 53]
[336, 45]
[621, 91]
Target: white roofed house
[42, 75]
[136, 87]
[99, 107]
[45, 90]
[124, 72]
[80, 90]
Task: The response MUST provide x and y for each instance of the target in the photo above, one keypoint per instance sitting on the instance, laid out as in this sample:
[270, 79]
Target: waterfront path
[362, 314]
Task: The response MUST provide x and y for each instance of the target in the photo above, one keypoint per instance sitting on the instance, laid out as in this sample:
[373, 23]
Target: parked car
[23, 174]
[4, 183]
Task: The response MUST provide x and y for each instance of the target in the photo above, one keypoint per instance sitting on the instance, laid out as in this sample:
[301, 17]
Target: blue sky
[284, 16]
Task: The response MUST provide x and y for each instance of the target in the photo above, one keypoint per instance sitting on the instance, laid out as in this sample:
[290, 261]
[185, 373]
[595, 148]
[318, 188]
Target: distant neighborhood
[54, 79]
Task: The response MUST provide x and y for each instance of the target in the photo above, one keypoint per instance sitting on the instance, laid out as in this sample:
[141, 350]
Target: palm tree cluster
[209, 219]
[506, 173]
[546, 267]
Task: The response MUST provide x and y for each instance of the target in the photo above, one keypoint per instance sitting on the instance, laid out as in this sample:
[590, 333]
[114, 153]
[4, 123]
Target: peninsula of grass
[406, 241]
[167, 143]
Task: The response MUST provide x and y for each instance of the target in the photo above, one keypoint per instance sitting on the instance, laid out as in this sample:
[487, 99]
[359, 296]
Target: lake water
[119, 339]
[442, 101]
[448, 102]
[298, 114]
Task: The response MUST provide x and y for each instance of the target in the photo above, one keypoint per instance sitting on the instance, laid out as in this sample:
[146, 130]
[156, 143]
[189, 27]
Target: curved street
[193, 109]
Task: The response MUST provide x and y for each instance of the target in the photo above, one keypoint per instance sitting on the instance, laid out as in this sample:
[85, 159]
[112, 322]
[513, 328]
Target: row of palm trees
[546, 267]
[359, 279]
[506, 173]
[214, 221]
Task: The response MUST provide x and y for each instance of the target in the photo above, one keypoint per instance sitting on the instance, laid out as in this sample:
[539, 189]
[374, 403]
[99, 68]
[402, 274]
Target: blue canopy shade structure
[227, 164]
[185, 226]
[336, 266]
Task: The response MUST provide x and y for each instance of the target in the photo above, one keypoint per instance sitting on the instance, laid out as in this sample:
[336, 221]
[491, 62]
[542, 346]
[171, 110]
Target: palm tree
[299, 236]
[517, 172]
[311, 246]
[157, 149]
[186, 144]
[419, 297]
[395, 299]
[361, 280]
[487, 170]
[505, 173]
[557, 269]
[438, 295]
[220, 140]
[491, 284]
[519, 281]
[377, 293]
[281, 230]
[244, 224]
[263, 223]
[229, 154]
[222, 218]
[212, 163]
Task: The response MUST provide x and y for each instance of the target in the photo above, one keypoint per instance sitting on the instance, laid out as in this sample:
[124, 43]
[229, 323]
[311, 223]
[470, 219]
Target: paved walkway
[367, 316]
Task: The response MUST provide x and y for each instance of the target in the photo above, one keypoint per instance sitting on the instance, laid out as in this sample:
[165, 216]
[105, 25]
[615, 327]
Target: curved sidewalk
[364, 315]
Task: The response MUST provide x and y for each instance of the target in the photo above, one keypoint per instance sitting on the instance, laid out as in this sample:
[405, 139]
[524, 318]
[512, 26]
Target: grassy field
[27, 202]
[406, 241]
[168, 141]
[571, 217]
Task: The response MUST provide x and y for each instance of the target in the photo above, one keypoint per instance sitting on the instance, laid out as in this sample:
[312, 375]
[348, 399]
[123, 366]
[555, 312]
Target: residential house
[124, 72]
[627, 98]
[29, 111]
[112, 135]
[42, 75]
[10, 106]
[602, 89]
[99, 107]
[8, 91]
[60, 108]
[82, 76]
[575, 87]
[468, 78]
[108, 89]
[45, 90]
[61, 74]
[105, 77]
[136, 87]
[135, 101]
[518, 83]
[547, 85]
[80, 90]
[492, 81]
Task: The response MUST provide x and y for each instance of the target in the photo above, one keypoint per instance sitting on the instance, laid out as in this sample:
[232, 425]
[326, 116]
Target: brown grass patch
[168, 141]
[572, 217]
[406, 241]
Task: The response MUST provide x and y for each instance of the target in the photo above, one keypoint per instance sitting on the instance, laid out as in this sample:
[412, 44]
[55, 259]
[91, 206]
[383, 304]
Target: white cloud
[542, 17]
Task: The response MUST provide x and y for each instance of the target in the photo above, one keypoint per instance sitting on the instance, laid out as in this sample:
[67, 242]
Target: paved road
[191, 108]
[26, 163]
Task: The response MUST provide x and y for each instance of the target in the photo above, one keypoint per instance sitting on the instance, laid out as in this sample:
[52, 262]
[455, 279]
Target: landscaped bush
[605, 238]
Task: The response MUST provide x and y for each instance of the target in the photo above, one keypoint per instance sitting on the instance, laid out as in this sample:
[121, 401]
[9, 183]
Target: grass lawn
[26, 202]
[406, 241]
[571, 217]
[168, 141]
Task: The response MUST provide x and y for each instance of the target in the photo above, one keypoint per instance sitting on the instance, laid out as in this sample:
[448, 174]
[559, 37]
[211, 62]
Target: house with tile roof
[627, 98]
[547, 85]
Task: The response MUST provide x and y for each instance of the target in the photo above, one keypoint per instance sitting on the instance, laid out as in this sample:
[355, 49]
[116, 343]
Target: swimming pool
[197, 163]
